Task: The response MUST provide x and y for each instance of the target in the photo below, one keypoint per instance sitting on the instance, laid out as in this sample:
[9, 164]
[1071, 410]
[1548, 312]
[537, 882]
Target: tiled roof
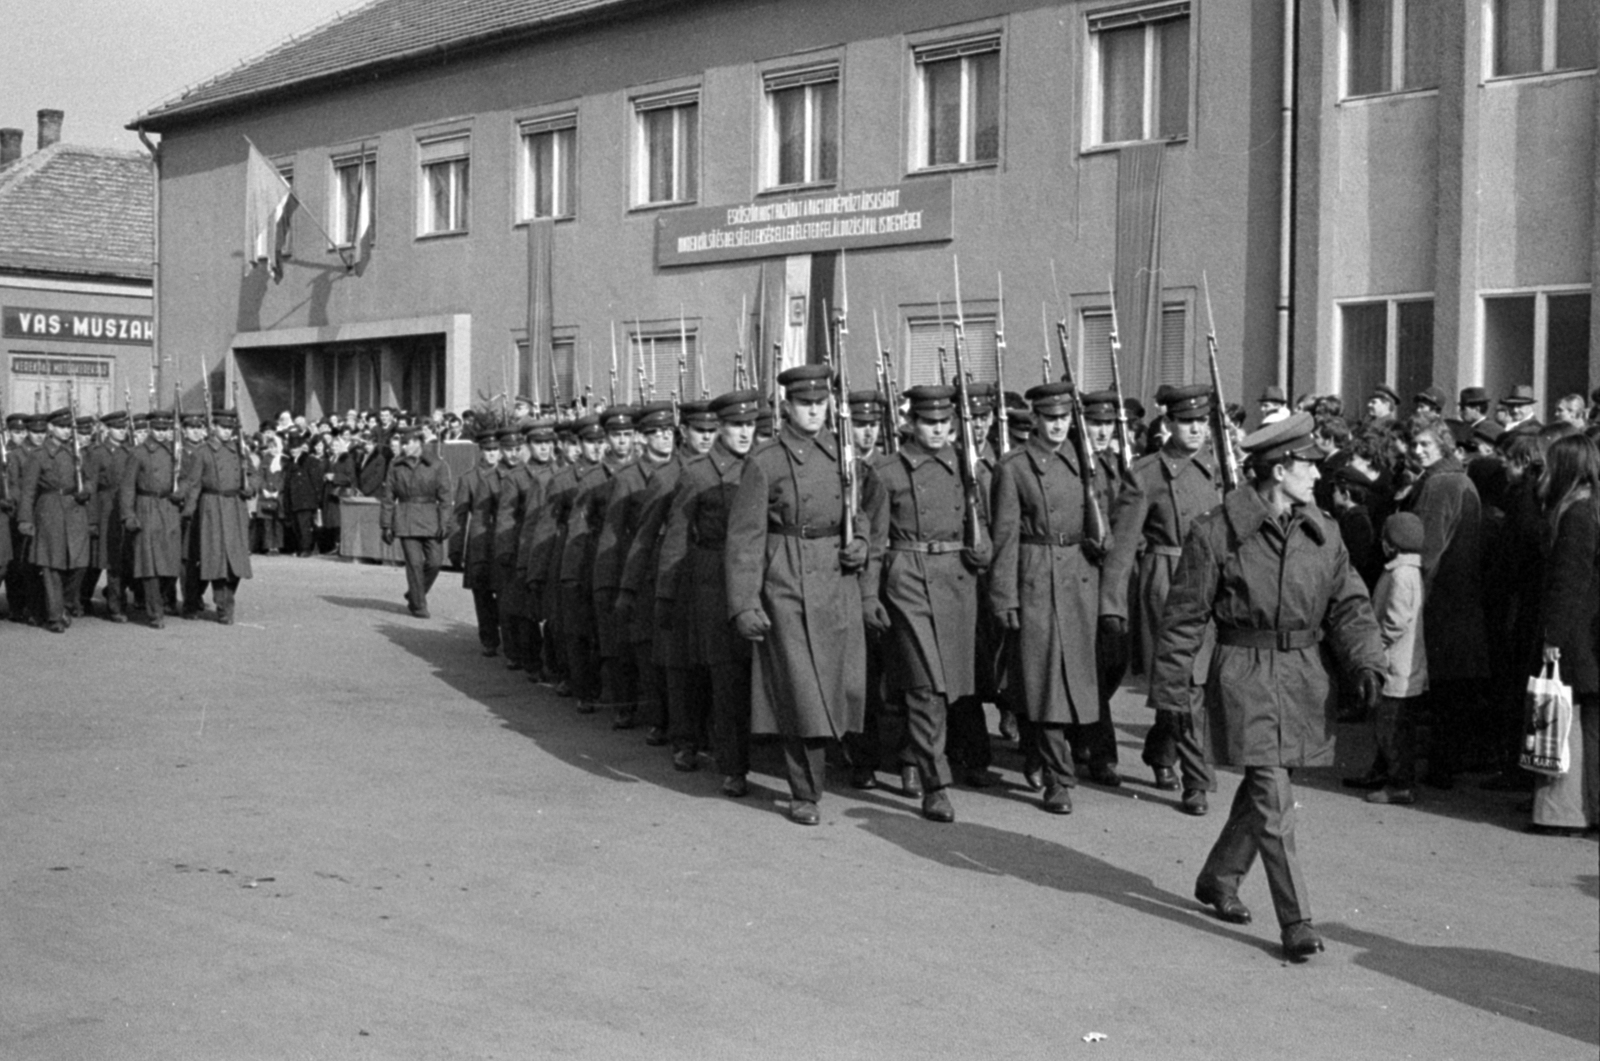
[82, 210]
[381, 33]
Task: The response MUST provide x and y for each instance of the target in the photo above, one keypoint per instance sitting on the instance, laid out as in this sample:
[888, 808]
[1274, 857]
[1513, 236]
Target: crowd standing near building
[839, 577]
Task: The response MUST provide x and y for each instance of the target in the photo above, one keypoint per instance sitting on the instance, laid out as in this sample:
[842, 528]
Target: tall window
[656, 352]
[442, 206]
[354, 192]
[1540, 338]
[1094, 352]
[667, 149]
[928, 337]
[958, 103]
[1139, 69]
[1384, 341]
[549, 169]
[1534, 36]
[802, 127]
[1391, 45]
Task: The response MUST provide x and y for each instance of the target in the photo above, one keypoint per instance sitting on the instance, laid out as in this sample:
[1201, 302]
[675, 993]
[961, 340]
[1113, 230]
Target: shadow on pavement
[373, 604]
[1548, 996]
[999, 853]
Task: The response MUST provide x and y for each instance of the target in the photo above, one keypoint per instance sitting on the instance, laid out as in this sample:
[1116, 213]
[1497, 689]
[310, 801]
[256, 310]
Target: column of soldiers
[113, 496]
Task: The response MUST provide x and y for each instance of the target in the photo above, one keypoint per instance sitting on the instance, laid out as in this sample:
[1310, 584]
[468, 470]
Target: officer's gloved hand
[623, 609]
[853, 557]
[1114, 640]
[82, 497]
[388, 536]
[176, 497]
[875, 615]
[1010, 619]
[752, 624]
[25, 530]
[1369, 684]
[977, 558]
[131, 524]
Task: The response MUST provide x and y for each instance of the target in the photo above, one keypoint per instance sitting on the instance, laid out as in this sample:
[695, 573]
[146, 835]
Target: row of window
[1140, 86]
[1394, 45]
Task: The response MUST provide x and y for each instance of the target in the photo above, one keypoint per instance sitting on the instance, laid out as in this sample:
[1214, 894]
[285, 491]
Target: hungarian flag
[269, 203]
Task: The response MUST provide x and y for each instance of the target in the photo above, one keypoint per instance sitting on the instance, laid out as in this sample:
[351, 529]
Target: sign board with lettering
[41, 382]
[775, 226]
[75, 326]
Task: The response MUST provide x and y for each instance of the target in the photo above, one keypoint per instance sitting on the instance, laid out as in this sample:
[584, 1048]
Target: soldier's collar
[1247, 513]
[915, 454]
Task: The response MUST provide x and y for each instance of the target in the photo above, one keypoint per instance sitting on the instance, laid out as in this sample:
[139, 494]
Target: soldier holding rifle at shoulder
[151, 510]
[53, 510]
[224, 485]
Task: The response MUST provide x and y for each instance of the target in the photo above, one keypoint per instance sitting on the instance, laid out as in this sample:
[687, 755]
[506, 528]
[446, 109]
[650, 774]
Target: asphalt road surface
[334, 831]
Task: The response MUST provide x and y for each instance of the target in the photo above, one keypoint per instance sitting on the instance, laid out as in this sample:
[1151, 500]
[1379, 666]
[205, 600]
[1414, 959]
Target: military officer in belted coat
[416, 506]
[1045, 587]
[472, 536]
[1270, 571]
[794, 587]
[53, 509]
[150, 503]
[223, 485]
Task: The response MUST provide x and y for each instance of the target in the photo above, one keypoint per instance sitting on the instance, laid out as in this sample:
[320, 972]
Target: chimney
[49, 127]
[10, 146]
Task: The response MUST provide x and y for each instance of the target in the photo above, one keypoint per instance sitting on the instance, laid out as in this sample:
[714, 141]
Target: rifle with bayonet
[238, 444]
[1124, 436]
[738, 346]
[1221, 439]
[77, 445]
[1002, 413]
[613, 399]
[1095, 536]
[205, 391]
[682, 393]
[177, 434]
[972, 521]
[847, 450]
[5, 459]
[891, 396]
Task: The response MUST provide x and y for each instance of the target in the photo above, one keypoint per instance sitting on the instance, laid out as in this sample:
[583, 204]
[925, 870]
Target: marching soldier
[111, 545]
[1095, 748]
[53, 510]
[584, 523]
[517, 491]
[221, 492]
[472, 536]
[796, 592]
[195, 437]
[1270, 573]
[541, 469]
[1045, 589]
[12, 547]
[151, 512]
[566, 625]
[929, 585]
[876, 746]
[416, 505]
[1171, 489]
[691, 587]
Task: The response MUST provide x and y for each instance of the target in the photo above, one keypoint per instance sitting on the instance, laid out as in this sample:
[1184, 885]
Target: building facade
[692, 176]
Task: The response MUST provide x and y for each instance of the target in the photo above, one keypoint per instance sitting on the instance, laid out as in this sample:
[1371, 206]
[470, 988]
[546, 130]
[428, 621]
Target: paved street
[334, 831]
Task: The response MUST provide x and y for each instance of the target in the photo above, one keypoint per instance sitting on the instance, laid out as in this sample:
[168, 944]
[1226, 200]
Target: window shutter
[1138, 16]
[1173, 367]
[683, 98]
[443, 149]
[554, 123]
[934, 53]
[815, 75]
[1094, 351]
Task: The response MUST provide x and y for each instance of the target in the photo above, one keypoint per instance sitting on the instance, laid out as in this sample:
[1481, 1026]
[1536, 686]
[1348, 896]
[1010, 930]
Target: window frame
[344, 237]
[990, 41]
[1097, 306]
[564, 170]
[1396, 74]
[1391, 335]
[1149, 15]
[677, 99]
[1541, 296]
[640, 338]
[805, 78]
[1548, 47]
[460, 163]
[977, 315]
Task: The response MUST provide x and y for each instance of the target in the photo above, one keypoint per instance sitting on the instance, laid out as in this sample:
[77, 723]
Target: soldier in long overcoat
[1045, 588]
[794, 588]
[1149, 521]
[112, 545]
[196, 434]
[591, 631]
[223, 486]
[691, 587]
[12, 551]
[416, 505]
[541, 470]
[517, 490]
[1271, 572]
[151, 512]
[573, 638]
[53, 510]
[928, 582]
[472, 537]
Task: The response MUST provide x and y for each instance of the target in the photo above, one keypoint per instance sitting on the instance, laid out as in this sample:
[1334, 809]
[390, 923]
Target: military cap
[1189, 402]
[764, 415]
[1050, 399]
[1274, 393]
[1293, 436]
[697, 414]
[1019, 426]
[1430, 395]
[588, 428]
[1164, 394]
[1521, 394]
[141, 420]
[1100, 407]
[982, 397]
[226, 417]
[1387, 393]
[488, 439]
[932, 402]
[59, 418]
[16, 422]
[194, 420]
[806, 381]
[38, 421]
[651, 416]
[866, 407]
[1474, 396]
[117, 418]
[738, 407]
[1134, 407]
[86, 423]
[541, 430]
[510, 436]
[617, 418]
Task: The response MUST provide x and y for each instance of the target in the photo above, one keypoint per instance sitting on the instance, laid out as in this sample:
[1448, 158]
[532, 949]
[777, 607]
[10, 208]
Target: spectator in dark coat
[302, 495]
[339, 481]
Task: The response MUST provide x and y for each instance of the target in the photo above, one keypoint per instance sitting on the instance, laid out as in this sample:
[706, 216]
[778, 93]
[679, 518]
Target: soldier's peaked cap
[117, 418]
[737, 407]
[653, 415]
[866, 406]
[1387, 393]
[1190, 402]
[932, 402]
[618, 418]
[1293, 436]
[806, 381]
[1100, 406]
[59, 418]
[1050, 399]
[697, 414]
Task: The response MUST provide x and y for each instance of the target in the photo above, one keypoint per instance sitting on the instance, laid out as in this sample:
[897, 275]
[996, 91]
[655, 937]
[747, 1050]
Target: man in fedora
[1519, 409]
[1382, 404]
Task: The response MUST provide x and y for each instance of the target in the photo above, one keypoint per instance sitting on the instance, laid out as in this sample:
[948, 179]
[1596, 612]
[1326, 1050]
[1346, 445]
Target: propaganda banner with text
[774, 226]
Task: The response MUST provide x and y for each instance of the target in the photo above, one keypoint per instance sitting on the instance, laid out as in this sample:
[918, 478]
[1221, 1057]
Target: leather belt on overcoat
[1281, 640]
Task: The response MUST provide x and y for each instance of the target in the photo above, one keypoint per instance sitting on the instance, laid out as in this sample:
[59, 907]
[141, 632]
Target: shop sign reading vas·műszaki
[73, 326]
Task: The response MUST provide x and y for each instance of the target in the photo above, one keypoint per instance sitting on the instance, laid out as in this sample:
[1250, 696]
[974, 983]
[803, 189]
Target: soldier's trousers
[805, 760]
[968, 738]
[85, 600]
[19, 580]
[876, 747]
[194, 589]
[157, 593]
[59, 586]
[922, 714]
[730, 716]
[222, 594]
[1261, 821]
[115, 592]
[690, 700]
[583, 666]
[487, 607]
[650, 686]
[1177, 738]
[424, 557]
[619, 684]
[1047, 746]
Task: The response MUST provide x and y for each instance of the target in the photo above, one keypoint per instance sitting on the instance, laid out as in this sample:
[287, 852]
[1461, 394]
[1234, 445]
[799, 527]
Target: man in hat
[8, 508]
[302, 490]
[1382, 404]
[109, 549]
[795, 587]
[1473, 406]
[416, 506]
[540, 468]
[1045, 588]
[691, 589]
[868, 750]
[1519, 406]
[221, 490]
[195, 433]
[1150, 521]
[472, 536]
[584, 524]
[565, 623]
[150, 501]
[24, 591]
[517, 491]
[1273, 403]
[1268, 572]
[930, 565]
[1429, 400]
[53, 509]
